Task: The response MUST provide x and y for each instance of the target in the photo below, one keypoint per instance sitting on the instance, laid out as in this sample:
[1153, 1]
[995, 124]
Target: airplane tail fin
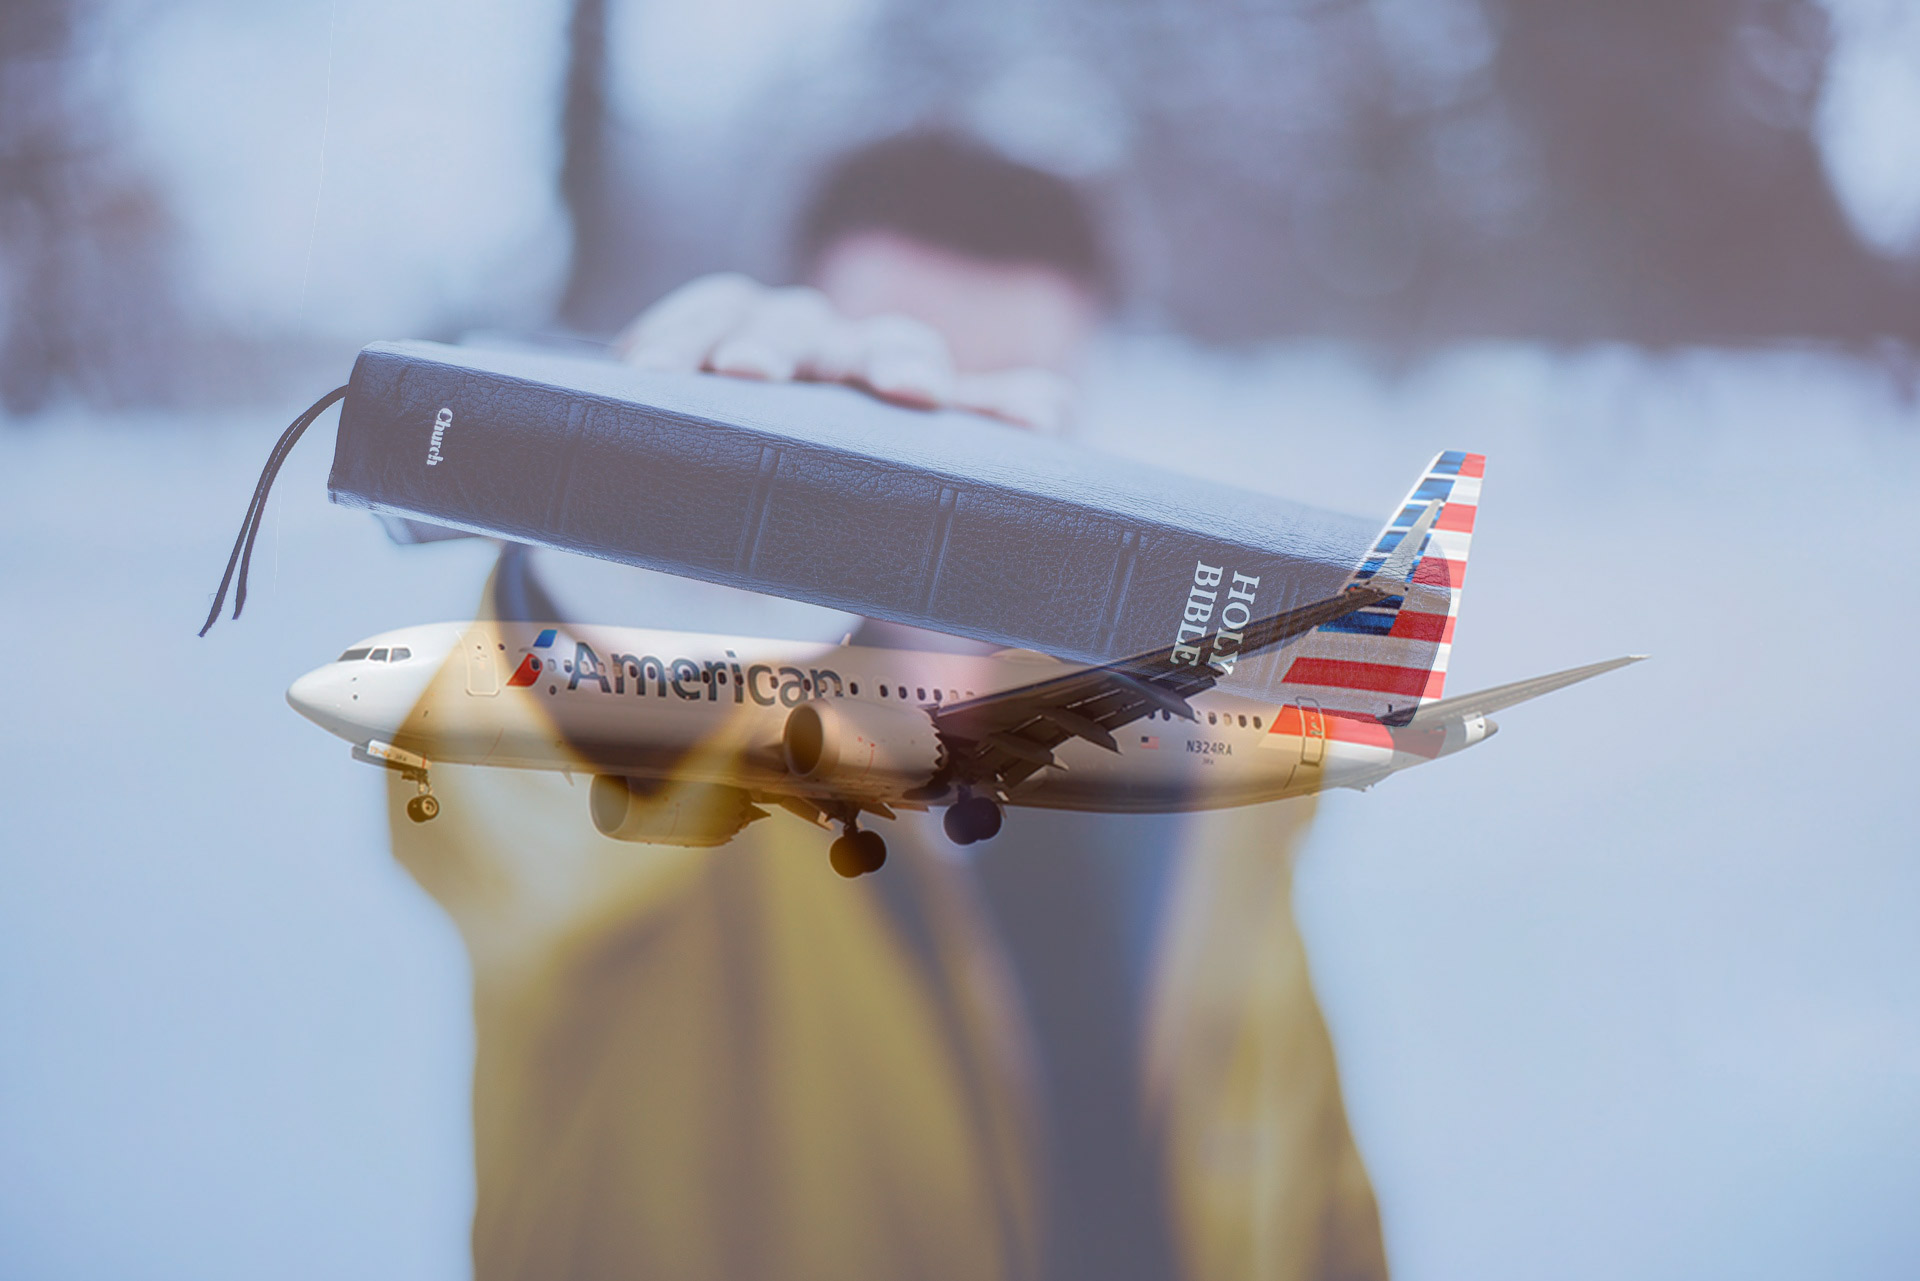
[1388, 659]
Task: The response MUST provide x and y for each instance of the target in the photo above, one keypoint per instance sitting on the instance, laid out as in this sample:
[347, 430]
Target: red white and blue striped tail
[1389, 658]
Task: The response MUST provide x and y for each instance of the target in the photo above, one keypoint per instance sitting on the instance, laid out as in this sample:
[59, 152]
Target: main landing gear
[857, 853]
[970, 819]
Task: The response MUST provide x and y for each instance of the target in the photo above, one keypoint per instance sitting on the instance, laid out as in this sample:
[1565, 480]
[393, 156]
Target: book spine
[653, 487]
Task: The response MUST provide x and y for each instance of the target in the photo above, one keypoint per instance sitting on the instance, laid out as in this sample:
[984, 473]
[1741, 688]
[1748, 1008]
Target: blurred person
[1089, 1047]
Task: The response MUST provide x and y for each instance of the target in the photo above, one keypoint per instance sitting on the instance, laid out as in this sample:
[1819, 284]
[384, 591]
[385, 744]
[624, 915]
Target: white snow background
[1631, 990]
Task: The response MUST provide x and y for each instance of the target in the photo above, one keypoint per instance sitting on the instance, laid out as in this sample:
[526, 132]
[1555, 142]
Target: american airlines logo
[441, 421]
[687, 678]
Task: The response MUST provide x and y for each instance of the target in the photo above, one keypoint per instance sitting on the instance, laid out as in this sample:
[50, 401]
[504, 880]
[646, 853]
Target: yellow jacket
[732, 1063]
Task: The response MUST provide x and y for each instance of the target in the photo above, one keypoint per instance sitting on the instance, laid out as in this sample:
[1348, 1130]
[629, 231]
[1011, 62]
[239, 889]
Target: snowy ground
[1632, 990]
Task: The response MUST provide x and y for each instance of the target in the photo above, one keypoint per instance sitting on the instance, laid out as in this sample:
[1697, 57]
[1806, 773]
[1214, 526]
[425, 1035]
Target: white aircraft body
[690, 737]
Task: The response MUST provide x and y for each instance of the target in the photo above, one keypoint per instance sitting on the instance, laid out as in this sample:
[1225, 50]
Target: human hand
[729, 324]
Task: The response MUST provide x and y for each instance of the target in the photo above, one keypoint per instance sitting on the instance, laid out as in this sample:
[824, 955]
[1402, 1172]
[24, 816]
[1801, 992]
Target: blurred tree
[1682, 197]
[587, 178]
[1400, 173]
[1569, 170]
[88, 304]
[1408, 172]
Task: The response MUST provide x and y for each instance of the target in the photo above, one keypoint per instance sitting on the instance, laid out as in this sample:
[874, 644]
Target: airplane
[690, 737]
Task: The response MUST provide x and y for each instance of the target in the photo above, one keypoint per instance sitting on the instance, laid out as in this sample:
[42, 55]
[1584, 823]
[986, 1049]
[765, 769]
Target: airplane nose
[317, 698]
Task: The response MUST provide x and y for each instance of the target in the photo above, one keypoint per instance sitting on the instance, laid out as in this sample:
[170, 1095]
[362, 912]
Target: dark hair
[955, 194]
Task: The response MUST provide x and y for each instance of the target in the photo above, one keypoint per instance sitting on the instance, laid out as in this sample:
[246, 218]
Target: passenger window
[936, 695]
[953, 693]
[353, 655]
[378, 656]
[400, 655]
[920, 694]
[1243, 722]
[853, 687]
[1256, 722]
[883, 691]
[1212, 719]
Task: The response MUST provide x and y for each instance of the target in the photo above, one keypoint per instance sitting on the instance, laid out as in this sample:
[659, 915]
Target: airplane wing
[1502, 696]
[1003, 738]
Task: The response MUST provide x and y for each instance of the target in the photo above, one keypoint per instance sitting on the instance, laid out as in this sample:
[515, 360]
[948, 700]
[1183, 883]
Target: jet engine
[862, 747]
[669, 813]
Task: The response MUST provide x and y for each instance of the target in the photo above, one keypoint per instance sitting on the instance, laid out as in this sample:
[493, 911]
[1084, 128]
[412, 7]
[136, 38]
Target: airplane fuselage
[690, 707]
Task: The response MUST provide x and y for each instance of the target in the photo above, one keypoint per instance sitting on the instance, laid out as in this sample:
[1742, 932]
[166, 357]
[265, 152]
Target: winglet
[1398, 566]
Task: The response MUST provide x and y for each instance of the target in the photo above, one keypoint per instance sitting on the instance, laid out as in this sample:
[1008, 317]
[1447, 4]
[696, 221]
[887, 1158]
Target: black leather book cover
[942, 520]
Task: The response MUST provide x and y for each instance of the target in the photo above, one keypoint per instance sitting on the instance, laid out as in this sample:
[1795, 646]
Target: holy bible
[944, 520]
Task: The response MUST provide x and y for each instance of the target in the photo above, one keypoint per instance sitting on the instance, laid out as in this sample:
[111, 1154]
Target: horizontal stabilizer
[1492, 700]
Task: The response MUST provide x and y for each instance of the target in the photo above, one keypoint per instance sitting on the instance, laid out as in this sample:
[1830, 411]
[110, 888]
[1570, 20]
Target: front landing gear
[857, 853]
[422, 808]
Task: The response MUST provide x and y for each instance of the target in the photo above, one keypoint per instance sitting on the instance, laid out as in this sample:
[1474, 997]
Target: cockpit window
[353, 655]
[378, 656]
[400, 655]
